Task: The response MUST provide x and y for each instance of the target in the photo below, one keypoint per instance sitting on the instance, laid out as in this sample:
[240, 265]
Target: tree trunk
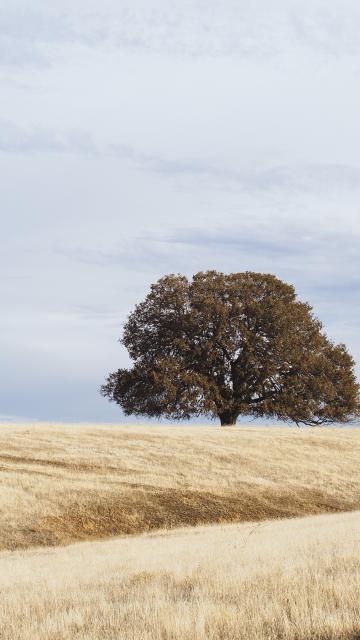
[228, 418]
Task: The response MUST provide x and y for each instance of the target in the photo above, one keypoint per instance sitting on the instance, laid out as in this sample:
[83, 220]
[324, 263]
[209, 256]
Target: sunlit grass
[60, 484]
[291, 580]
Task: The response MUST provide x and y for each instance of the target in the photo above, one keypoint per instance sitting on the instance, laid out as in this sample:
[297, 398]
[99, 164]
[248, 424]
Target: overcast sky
[145, 137]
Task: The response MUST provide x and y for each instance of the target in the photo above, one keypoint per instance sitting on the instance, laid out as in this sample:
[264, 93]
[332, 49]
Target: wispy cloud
[17, 139]
[274, 239]
[311, 178]
[314, 178]
[313, 257]
[255, 29]
[26, 35]
[328, 27]
[135, 255]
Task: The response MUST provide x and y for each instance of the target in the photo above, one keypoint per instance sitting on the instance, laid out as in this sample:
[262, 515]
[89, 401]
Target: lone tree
[228, 345]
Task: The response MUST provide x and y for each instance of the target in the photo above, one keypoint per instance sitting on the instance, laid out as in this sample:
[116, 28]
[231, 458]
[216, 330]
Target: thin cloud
[314, 177]
[256, 30]
[17, 139]
[272, 239]
[306, 178]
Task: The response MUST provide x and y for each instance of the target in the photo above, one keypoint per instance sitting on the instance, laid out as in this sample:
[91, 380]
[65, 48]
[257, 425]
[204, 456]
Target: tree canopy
[223, 345]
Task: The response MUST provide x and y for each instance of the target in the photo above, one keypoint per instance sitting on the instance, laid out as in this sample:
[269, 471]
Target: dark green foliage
[228, 345]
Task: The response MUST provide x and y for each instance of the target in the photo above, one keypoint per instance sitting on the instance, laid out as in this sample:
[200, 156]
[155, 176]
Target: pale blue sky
[146, 137]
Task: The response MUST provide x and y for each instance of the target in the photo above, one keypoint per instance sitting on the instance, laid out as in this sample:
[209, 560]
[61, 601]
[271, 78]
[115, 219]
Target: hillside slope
[63, 483]
[285, 580]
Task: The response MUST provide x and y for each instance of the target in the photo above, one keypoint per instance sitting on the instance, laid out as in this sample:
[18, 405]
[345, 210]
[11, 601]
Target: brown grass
[293, 579]
[61, 484]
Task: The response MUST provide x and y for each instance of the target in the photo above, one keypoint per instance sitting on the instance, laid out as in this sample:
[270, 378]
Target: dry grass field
[293, 579]
[259, 579]
[65, 483]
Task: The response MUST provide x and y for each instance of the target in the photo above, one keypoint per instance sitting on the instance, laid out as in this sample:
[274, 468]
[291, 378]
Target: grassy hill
[293, 579]
[66, 483]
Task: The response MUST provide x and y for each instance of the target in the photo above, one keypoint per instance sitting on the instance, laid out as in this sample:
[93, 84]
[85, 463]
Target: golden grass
[293, 579]
[66, 483]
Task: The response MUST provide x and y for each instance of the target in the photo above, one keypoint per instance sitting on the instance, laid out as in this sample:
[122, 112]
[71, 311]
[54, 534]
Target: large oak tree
[229, 345]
